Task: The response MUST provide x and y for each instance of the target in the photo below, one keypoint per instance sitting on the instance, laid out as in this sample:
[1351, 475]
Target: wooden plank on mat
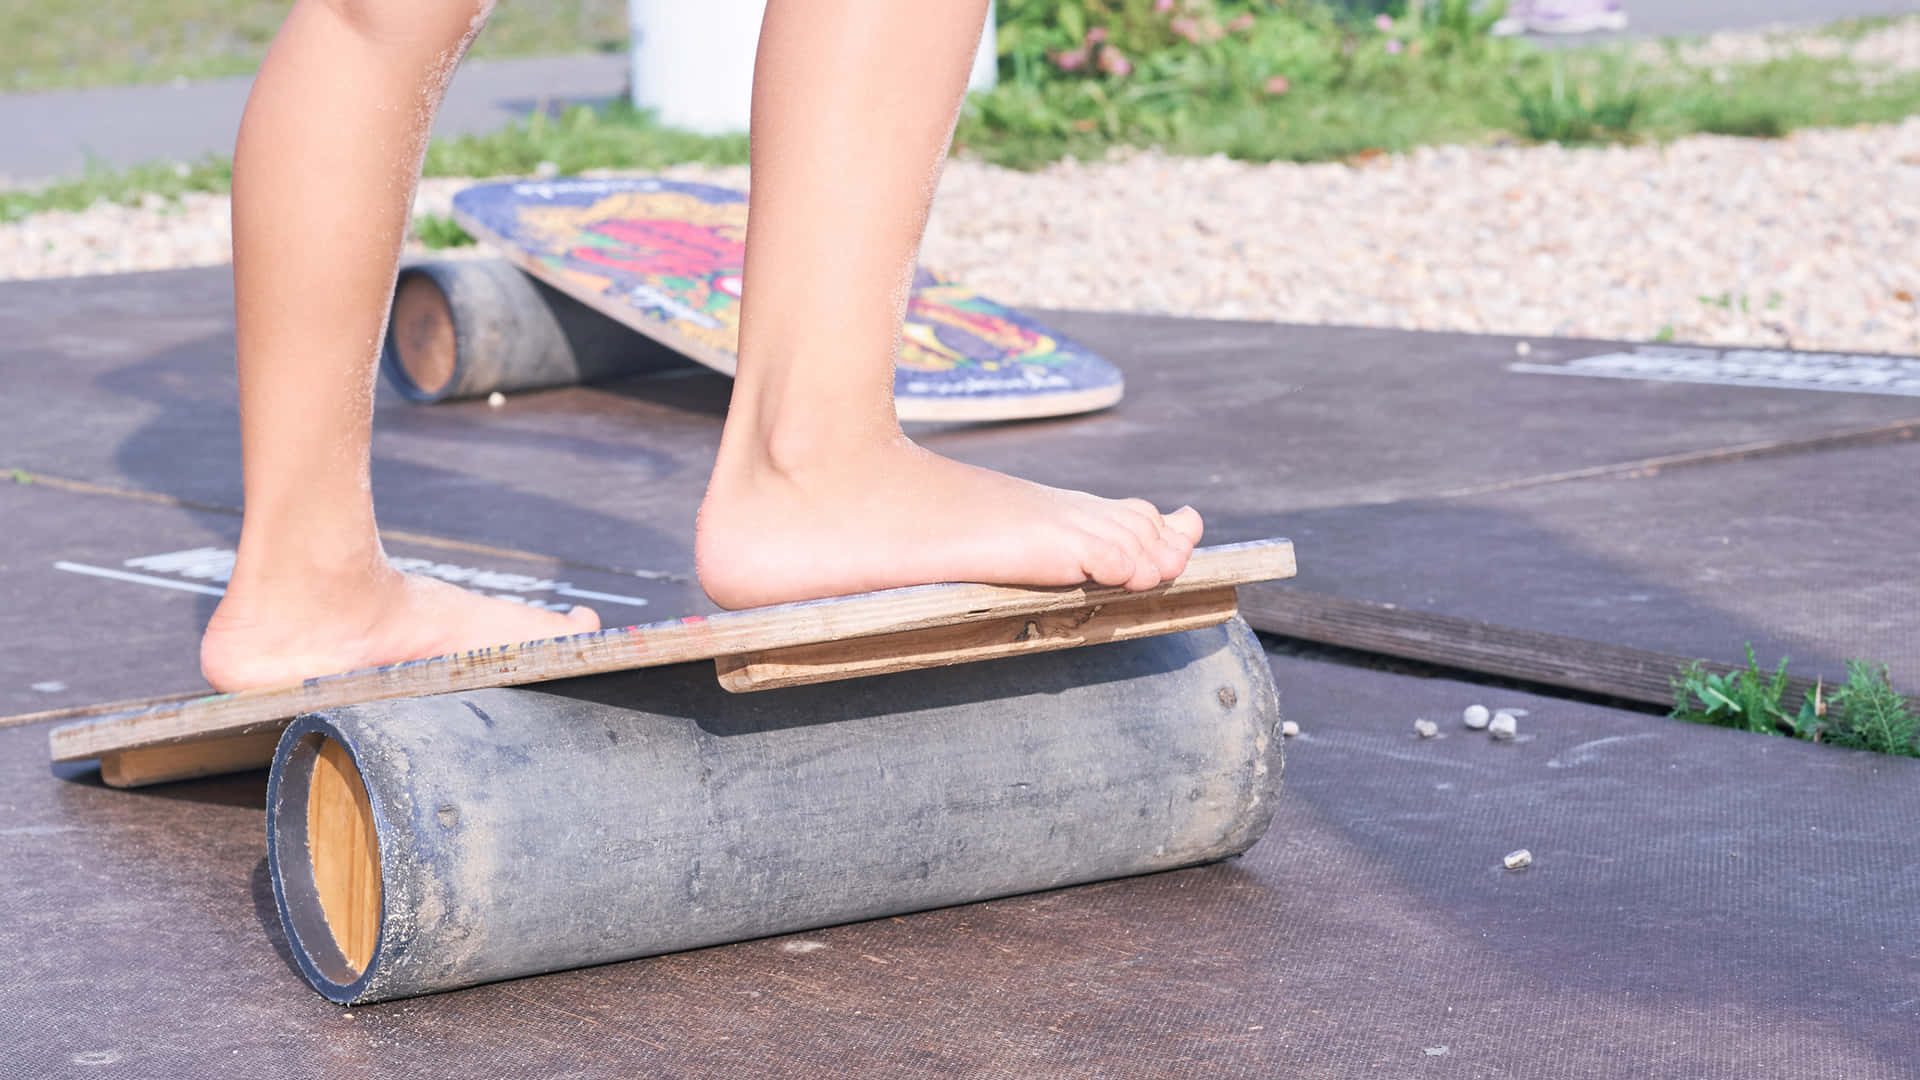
[1450, 641]
[755, 630]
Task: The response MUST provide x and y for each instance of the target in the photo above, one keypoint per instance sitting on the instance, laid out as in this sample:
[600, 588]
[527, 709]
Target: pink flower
[1185, 27]
[1278, 85]
[1096, 35]
[1241, 22]
[1394, 46]
[1383, 22]
[1113, 63]
[1161, 7]
[1071, 60]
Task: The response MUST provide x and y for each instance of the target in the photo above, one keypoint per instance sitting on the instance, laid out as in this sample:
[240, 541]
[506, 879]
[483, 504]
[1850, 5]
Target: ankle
[302, 565]
[805, 451]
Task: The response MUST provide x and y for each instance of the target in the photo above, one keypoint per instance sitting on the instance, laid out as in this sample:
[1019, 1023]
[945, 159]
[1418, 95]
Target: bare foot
[263, 635]
[895, 514]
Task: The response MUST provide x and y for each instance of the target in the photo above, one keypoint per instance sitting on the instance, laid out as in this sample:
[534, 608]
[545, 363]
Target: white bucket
[692, 63]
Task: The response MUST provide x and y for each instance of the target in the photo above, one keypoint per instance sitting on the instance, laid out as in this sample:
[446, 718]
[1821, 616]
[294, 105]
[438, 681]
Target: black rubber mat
[132, 384]
[106, 595]
[1702, 903]
[1814, 556]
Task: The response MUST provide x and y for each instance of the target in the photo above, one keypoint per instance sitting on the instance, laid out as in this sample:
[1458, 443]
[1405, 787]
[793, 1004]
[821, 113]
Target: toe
[1170, 551]
[584, 619]
[1143, 571]
[1185, 523]
[1106, 561]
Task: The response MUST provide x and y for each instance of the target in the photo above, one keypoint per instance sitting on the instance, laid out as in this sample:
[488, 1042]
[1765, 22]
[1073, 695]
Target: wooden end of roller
[422, 332]
[188, 760]
[345, 851]
[988, 639]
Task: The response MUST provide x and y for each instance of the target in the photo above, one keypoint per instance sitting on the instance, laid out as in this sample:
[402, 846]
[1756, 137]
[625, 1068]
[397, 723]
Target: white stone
[1503, 726]
[1289, 729]
[1518, 860]
[1475, 717]
[496, 399]
[1426, 729]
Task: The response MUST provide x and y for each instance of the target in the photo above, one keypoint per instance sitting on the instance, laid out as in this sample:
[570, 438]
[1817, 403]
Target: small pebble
[1475, 717]
[1518, 860]
[1426, 729]
[1503, 726]
[496, 399]
[1289, 729]
[1523, 349]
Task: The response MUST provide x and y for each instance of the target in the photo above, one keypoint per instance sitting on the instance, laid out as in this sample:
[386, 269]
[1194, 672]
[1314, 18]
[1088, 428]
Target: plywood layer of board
[753, 631]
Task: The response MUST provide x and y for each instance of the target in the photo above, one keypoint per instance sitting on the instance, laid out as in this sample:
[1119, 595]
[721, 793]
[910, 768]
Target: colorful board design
[666, 257]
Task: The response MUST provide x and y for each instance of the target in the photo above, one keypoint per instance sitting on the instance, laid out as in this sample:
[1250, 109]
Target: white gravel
[1893, 46]
[1808, 241]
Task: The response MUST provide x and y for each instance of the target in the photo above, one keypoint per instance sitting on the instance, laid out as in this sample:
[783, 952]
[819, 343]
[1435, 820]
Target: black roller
[466, 328]
[507, 832]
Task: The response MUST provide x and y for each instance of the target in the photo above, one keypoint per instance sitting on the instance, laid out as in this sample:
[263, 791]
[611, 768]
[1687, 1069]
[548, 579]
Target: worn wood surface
[967, 642]
[1486, 648]
[185, 761]
[756, 630]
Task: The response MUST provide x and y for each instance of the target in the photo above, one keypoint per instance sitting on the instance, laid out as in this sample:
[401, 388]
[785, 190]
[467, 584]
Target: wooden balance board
[666, 258]
[753, 649]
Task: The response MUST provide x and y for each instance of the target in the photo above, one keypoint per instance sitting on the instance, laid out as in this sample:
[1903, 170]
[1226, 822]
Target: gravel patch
[1894, 47]
[1807, 242]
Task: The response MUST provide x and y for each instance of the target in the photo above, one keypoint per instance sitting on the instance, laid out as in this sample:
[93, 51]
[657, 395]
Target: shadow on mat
[692, 692]
[267, 913]
[189, 447]
[247, 790]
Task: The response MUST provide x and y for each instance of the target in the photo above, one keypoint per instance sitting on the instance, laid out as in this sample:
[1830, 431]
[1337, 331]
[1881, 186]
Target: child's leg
[324, 172]
[816, 492]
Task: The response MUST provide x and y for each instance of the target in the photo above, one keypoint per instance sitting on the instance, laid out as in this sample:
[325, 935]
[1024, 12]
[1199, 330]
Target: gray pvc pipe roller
[530, 830]
[466, 328]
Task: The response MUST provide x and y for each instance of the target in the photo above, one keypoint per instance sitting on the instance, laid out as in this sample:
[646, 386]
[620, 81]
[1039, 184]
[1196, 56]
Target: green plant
[1555, 113]
[1745, 698]
[437, 231]
[1719, 115]
[1456, 26]
[1867, 713]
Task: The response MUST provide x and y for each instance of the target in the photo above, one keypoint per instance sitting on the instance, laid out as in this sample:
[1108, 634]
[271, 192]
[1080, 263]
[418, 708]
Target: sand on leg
[325, 167]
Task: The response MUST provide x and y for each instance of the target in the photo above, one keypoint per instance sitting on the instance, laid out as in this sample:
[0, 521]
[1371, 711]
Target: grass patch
[617, 136]
[129, 186]
[1303, 82]
[1553, 113]
[1865, 713]
[437, 232]
[1257, 80]
[50, 44]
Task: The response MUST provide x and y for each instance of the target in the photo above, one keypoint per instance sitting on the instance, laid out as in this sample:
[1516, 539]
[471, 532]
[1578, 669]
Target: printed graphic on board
[673, 253]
